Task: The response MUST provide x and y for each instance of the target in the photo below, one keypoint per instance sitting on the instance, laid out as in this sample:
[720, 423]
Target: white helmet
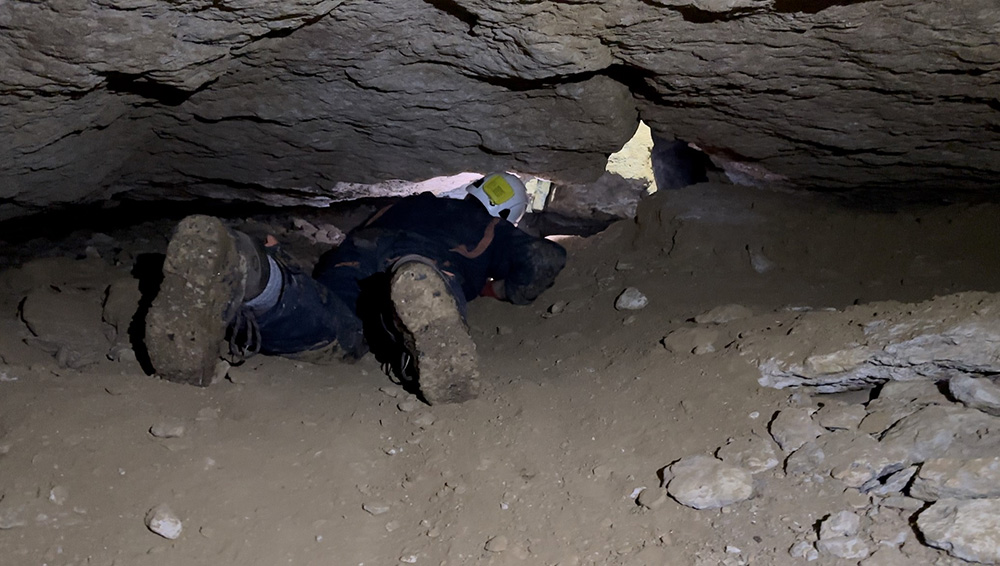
[503, 195]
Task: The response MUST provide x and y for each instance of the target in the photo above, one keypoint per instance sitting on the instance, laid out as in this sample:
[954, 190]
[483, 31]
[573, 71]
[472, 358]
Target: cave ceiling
[308, 101]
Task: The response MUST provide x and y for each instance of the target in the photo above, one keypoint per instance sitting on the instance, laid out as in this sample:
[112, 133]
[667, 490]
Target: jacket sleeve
[526, 264]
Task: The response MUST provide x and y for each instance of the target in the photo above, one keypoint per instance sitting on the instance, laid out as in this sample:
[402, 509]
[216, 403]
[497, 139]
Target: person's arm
[524, 266]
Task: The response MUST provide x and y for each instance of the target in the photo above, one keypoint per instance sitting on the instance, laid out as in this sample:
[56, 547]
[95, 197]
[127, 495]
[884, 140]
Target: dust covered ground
[284, 462]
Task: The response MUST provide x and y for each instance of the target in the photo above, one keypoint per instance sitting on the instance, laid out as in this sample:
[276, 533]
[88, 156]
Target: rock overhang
[302, 102]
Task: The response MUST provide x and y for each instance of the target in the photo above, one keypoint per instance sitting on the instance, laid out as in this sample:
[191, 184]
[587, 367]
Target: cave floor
[286, 462]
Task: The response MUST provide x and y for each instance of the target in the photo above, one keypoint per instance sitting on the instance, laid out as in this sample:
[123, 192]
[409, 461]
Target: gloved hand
[493, 289]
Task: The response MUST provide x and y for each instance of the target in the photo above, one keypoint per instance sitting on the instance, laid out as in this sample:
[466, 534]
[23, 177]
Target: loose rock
[792, 428]
[58, 494]
[842, 417]
[754, 453]
[423, 419]
[162, 521]
[969, 530]
[408, 406]
[977, 393]
[843, 523]
[902, 503]
[856, 460]
[946, 478]
[804, 549]
[843, 547]
[652, 498]
[557, 307]
[894, 483]
[497, 544]
[703, 482]
[167, 429]
[691, 340]
[67, 324]
[631, 299]
[945, 432]
[375, 508]
[887, 557]
[925, 341]
[10, 519]
[392, 390]
[723, 314]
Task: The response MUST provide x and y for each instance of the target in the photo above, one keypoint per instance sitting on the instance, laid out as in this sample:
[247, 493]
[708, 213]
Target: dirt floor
[285, 462]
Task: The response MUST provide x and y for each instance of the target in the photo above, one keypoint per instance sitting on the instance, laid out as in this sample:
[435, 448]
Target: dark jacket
[467, 244]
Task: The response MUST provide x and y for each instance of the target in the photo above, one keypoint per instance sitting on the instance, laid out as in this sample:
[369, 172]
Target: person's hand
[493, 289]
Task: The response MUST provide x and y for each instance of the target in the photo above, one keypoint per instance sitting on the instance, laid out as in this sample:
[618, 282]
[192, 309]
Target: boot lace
[244, 337]
[399, 368]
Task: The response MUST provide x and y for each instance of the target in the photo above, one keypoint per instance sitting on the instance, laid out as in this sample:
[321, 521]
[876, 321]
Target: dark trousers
[347, 297]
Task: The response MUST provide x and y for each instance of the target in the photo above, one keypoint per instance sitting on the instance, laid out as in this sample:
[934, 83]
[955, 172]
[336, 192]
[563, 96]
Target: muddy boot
[205, 276]
[435, 334]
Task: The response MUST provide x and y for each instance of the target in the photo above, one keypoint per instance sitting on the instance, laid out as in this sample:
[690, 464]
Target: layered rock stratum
[304, 101]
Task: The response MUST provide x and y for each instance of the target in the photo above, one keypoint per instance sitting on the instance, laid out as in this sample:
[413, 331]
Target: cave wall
[291, 101]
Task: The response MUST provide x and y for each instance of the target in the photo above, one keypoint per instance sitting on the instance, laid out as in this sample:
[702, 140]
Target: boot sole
[436, 334]
[201, 290]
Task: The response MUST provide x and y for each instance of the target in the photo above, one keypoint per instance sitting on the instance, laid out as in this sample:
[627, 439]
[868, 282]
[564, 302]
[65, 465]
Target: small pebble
[208, 414]
[804, 549]
[162, 521]
[520, 552]
[167, 429]
[408, 406]
[375, 508]
[58, 494]
[652, 498]
[497, 544]
[631, 299]
[391, 391]
[602, 471]
[221, 370]
[423, 419]
[623, 266]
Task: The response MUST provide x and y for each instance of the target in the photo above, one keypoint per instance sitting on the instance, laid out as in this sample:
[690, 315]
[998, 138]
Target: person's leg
[413, 310]
[219, 284]
[430, 317]
[305, 316]
[204, 284]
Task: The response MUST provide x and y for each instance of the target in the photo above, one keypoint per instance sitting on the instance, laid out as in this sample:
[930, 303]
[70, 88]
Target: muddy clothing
[348, 289]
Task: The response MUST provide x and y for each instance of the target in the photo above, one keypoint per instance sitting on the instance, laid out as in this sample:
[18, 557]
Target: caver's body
[398, 284]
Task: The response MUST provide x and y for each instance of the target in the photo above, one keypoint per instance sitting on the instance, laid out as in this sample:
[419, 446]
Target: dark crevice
[218, 5]
[455, 10]
[518, 84]
[970, 100]
[963, 72]
[637, 80]
[285, 32]
[238, 118]
[810, 6]
[128, 83]
[696, 16]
